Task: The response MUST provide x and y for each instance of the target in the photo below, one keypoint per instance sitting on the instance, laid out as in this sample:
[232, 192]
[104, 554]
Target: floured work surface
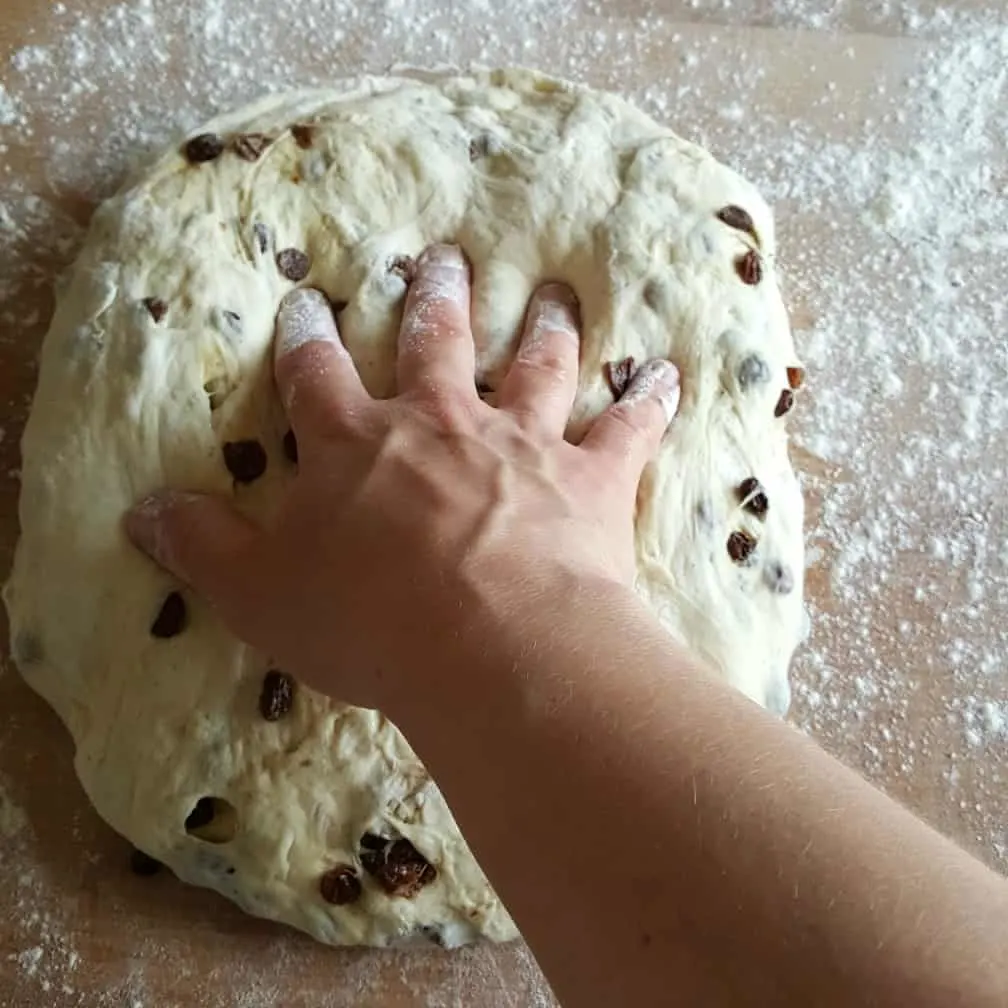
[879, 142]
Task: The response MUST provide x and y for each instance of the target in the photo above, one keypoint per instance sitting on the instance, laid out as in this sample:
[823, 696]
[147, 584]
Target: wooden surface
[895, 703]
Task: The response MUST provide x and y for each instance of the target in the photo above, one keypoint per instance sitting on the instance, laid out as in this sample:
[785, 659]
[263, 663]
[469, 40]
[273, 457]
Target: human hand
[411, 518]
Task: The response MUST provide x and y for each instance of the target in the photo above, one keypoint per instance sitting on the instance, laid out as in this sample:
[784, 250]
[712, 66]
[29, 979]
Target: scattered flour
[890, 178]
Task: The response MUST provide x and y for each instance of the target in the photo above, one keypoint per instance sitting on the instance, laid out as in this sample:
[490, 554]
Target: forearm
[659, 838]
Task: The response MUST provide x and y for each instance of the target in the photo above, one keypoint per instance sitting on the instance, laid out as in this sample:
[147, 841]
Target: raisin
[202, 815]
[784, 403]
[205, 147]
[245, 460]
[340, 885]
[753, 371]
[290, 448]
[404, 267]
[293, 264]
[250, 146]
[303, 134]
[373, 842]
[778, 578]
[143, 864]
[618, 374]
[171, 618]
[400, 869]
[753, 497]
[277, 696]
[749, 268]
[796, 377]
[741, 220]
[262, 236]
[741, 546]
[156, 308]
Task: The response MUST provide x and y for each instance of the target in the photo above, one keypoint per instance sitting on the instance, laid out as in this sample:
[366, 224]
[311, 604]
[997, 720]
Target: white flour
[892, 200]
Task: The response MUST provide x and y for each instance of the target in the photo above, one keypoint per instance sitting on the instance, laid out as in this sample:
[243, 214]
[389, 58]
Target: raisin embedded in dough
[740, 219]
[749, 268]
[171, 618]
[293, 264]
[340, 885]
[203, 148]
[753, 497]
[741, 546]
[795, 377]
[156, 308]
[617, 375]
[399, 868]
[245, 460]
[784, 403]
[304, 135]
[753, 370]
[277, 695]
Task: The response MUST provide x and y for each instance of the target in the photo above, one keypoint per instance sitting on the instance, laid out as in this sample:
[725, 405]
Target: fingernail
[558, 307]
[655, 379]
[305, 315]
[444, 256]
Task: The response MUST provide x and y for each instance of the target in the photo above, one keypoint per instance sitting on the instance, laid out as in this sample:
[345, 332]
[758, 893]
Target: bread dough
[159, 355]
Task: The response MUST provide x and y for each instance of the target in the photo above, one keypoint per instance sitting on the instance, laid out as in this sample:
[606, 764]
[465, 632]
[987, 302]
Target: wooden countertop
[904, 675]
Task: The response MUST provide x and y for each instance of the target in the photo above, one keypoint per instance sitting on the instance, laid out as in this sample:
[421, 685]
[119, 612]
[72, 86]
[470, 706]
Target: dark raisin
[749, 268]
[796, 377]
[741, 220]
[143, 864]
[156, 308]
[293, 264]
[753, 371]
[753, 497]
[171, 618]
[778, 578]
[340, 885]
[249, 146]
[245, 460]
[784, 403]
[290, 448]
[404, 267]
[618, 374]
[741, 546]
[204, 147]
[373, 842]
[277, 696]
[262, 236]
[304, 135]
[401, 870]
[202, 814]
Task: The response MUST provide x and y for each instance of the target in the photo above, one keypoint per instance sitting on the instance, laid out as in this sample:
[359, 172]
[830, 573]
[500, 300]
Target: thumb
[199, 538]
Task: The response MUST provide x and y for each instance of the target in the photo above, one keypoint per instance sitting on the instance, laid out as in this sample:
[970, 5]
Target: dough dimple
[157, 371]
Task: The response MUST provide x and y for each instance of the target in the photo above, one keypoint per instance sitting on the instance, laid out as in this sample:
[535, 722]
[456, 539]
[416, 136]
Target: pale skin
[658, 838]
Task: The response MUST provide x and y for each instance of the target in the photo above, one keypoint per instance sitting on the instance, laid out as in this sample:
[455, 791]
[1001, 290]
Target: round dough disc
[158, 357]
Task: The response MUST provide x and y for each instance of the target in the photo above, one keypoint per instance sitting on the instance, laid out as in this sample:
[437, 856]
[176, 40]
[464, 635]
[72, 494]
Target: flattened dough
[159, 354]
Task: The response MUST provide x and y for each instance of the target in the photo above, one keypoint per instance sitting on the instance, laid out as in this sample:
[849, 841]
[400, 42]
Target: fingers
[316, 376]
[200, 539]
[629, 432]
[436, 349]
[542, 382]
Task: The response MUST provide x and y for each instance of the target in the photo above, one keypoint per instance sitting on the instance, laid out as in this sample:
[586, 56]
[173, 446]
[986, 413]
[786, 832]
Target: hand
[411, 518]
